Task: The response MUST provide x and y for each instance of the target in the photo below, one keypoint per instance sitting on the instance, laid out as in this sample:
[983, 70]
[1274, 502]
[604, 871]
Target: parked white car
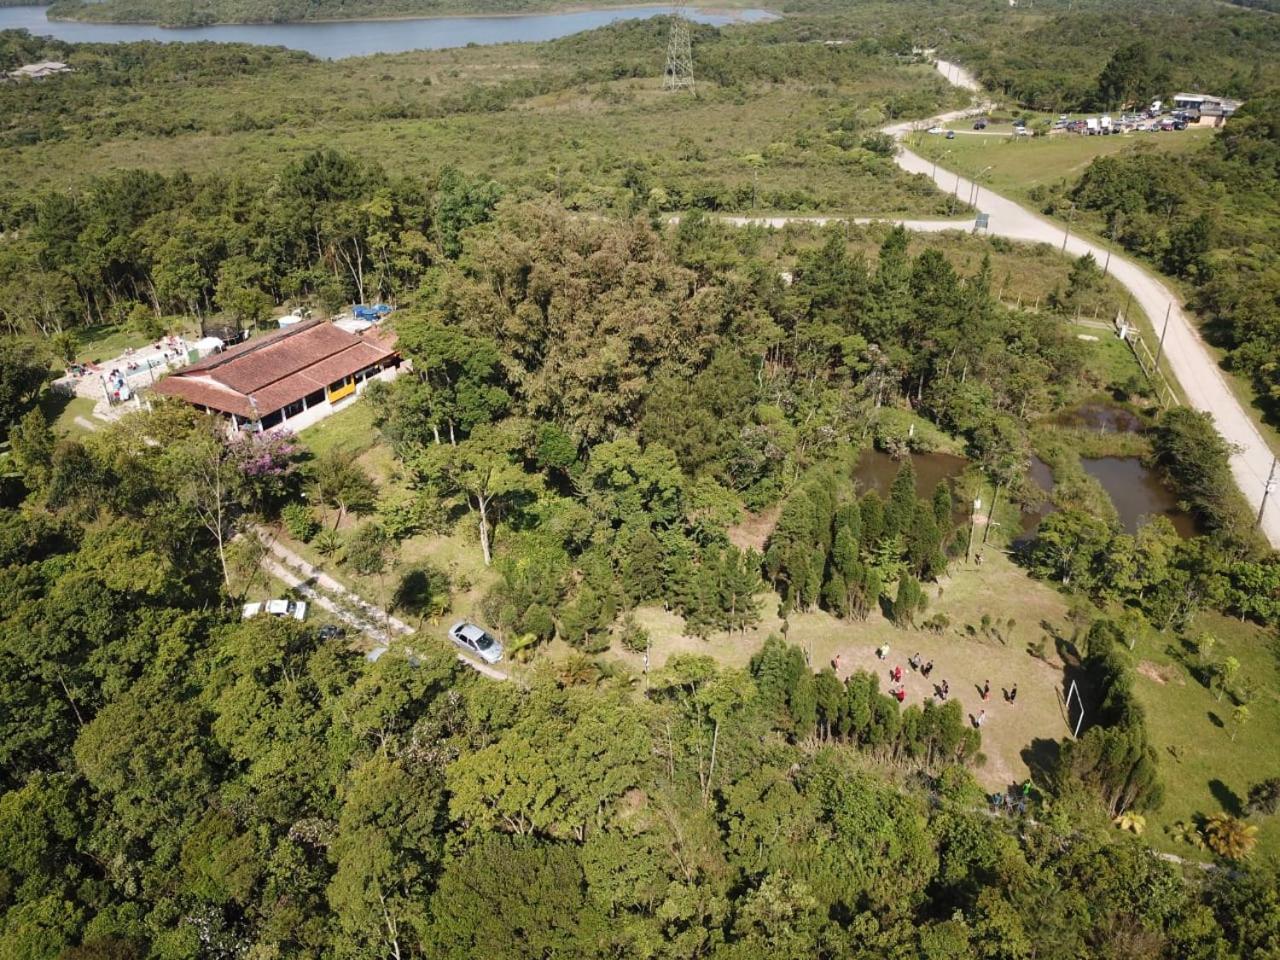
[297, 609]
[936, 130]
[476, 640]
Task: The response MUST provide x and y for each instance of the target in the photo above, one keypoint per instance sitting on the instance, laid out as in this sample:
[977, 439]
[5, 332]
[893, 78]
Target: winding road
[1185, 353]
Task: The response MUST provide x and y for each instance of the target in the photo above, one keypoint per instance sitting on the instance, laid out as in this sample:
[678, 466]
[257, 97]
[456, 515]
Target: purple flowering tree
[268, 463]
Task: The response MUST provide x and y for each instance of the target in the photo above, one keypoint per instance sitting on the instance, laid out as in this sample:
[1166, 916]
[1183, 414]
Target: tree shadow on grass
[1041, 758]
[1226, 797]
[1186, 655]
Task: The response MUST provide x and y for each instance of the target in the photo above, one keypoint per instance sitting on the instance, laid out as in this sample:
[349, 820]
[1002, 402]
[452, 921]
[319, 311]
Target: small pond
[1042, 477]
[875, 470]
[1134, 488]
[1100, 417]
[1137, 491]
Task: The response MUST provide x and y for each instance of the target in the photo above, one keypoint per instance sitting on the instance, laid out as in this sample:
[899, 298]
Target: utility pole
[1110, 241]
[976, 193]
[1266, 492]
[679, 72]
[991, 515]
[1163, 331]
[973, 512]
[1066, 233]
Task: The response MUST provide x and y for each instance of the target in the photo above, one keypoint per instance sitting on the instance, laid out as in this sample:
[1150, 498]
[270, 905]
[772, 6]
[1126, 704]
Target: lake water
[360, 38]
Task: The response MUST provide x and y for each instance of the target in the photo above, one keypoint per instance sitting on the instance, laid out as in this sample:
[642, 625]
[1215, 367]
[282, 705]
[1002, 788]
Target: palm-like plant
[1230, 837]
[327, 543]
[578, 670]
[1188, 833]
[1135, 823]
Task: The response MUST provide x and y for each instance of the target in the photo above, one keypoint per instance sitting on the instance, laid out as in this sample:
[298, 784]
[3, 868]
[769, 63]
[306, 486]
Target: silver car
[476, 640]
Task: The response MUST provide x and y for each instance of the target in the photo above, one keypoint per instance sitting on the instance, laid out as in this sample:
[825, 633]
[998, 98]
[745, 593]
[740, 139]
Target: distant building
[291, 377]
[39, 71]
[1204, 110]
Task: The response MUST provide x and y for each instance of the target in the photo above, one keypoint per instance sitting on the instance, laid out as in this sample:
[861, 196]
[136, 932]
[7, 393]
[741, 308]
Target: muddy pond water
[1101, 417]
[875, 470]
[1137, 491]
[1134, 488]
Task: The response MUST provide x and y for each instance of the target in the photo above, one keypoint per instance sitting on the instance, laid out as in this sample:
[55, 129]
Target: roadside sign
[982, 221]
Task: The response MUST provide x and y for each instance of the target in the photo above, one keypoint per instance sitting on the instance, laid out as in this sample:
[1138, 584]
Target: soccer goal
[1074, 691]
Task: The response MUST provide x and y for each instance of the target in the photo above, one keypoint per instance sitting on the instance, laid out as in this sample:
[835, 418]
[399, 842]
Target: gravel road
[1185, 352]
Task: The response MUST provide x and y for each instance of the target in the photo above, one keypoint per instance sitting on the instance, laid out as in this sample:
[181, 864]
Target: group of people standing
[941, 691]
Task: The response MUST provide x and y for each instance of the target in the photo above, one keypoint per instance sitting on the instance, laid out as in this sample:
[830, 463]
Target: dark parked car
[951, 134]
[980, 124]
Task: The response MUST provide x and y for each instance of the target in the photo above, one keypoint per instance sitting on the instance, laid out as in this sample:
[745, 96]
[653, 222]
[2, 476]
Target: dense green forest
[180, 784]
[642, 435]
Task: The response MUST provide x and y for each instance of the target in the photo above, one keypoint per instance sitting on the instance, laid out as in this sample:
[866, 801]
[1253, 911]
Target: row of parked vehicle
[464, 633]
[1106, 125]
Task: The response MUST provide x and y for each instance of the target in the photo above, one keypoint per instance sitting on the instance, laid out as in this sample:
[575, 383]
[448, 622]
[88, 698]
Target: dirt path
[350, 608]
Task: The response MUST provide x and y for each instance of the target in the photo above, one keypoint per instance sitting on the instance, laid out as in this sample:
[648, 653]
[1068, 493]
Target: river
[361, 38]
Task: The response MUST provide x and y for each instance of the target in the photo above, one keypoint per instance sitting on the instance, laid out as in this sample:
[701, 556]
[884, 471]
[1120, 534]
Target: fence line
[1165, 393]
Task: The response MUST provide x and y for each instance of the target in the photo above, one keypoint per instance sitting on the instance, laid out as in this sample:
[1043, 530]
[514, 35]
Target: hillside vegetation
[779, 122]
[630, 445]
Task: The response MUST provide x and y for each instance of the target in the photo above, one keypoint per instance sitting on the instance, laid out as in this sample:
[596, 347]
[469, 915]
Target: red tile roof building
[274, 379]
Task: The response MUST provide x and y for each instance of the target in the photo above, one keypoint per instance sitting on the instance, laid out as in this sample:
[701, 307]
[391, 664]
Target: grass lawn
[349, 429]
[1017, 166]
[61, 411]
[1204, 770]
[107, 341]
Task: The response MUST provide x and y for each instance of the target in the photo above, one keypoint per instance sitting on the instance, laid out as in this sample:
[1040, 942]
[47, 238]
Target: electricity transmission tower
[679, 75]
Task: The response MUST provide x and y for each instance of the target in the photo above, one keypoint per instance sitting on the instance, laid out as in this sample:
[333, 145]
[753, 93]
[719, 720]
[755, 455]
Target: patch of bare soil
[753, 532]
[1161, 675]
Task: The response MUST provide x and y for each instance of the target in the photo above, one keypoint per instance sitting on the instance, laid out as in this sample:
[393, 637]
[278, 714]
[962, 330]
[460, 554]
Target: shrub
[300, 521]
[633, 636]
[327, 543]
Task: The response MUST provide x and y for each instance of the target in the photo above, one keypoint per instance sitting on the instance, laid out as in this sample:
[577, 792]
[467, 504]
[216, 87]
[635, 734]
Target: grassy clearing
[349, 429]
[965, 660]
[594, 143]
[1204, 770]
[1019, 166]
[61, 411]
